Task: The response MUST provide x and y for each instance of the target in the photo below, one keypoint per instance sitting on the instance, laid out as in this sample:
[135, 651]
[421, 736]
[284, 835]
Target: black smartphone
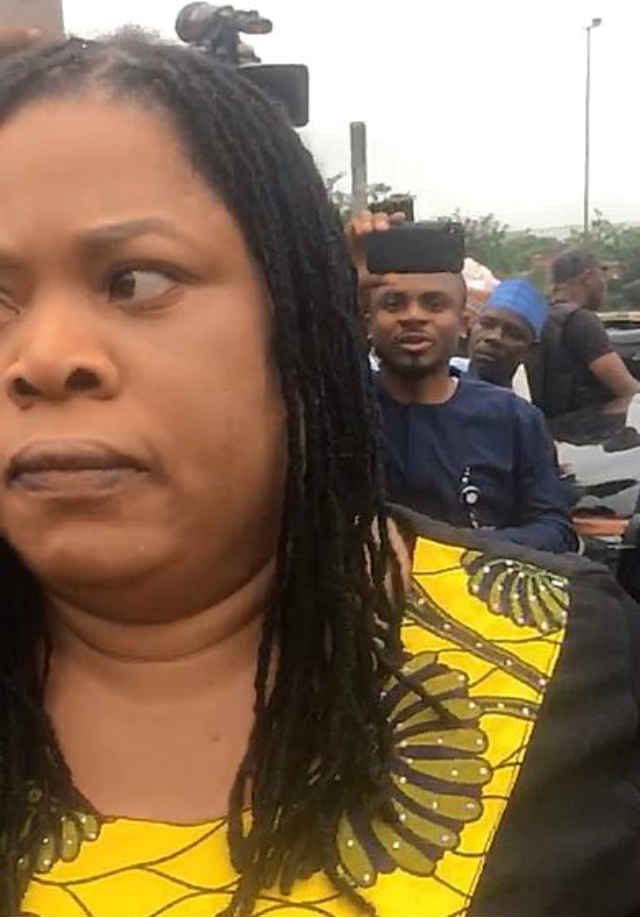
[416, 248]
[33, 14]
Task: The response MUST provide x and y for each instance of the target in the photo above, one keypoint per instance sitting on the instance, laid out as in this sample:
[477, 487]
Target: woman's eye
[8, 308]
[136, 286]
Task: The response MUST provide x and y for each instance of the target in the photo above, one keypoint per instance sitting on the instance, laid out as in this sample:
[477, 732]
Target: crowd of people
[460, 445]
[279, 634]
[459, 448]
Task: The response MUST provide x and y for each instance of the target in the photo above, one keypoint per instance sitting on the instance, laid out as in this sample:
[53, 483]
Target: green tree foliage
[510, 253]
[376, 193]
[617, 244]
[525, 253]
[340, 199]
[506, 252]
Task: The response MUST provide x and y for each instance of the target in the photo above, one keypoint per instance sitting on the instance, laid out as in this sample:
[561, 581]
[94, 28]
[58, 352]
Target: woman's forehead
[56, 136]
[81, 162]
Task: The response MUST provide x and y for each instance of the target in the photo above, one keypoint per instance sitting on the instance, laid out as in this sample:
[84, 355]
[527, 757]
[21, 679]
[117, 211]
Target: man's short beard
[412, 369]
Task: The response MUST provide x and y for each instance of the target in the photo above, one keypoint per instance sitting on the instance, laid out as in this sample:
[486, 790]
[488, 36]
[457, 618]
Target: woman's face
[142, 452]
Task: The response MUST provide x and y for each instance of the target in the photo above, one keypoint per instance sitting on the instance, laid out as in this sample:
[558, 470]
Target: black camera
[216, 30]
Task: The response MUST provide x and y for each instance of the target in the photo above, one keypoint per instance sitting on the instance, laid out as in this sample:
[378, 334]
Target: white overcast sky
[477, 105]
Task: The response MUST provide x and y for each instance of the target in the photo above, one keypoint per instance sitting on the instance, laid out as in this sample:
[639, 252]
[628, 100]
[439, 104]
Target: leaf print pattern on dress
[437, 775]
[67, 831]
[527, 595]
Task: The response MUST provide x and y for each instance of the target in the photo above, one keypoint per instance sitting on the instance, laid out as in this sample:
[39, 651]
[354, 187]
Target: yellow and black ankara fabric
[483, 636]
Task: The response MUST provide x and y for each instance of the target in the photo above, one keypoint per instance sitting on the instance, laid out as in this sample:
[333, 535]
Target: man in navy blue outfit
[457, 449]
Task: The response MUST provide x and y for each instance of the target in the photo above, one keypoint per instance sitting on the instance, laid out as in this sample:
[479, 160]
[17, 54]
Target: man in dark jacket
[575, 365]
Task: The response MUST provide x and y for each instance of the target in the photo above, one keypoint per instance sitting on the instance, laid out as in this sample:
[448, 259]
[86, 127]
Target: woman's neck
[154, 720]
[223, 633]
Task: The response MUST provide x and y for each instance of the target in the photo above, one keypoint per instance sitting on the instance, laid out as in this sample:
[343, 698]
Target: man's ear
[466, 322]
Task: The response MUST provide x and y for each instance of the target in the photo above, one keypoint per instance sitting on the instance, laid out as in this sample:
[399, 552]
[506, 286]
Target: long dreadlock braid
[320, 743]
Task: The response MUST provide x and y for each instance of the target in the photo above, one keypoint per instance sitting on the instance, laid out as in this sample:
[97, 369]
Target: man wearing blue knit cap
[508, 324]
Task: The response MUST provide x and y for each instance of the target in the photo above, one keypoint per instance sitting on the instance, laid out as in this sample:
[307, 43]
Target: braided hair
[320, 743]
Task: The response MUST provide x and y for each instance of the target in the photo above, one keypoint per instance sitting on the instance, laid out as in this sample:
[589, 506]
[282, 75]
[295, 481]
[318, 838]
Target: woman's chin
[90, 553]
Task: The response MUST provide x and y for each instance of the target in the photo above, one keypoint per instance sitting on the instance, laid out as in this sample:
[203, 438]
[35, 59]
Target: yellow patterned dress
[483, 635]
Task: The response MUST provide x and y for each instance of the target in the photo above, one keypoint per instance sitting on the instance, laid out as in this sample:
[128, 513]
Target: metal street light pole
[587, 125]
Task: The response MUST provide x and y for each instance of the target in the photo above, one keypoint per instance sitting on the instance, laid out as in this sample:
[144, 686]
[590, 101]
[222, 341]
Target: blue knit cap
[521, 298]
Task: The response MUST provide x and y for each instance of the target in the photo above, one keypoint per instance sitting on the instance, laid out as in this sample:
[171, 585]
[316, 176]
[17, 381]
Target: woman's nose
[56, 359]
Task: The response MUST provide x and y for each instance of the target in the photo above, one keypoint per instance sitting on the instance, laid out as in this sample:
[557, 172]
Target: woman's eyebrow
[116, 233]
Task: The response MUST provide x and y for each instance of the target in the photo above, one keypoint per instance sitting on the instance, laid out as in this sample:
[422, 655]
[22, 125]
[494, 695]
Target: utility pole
[43, 14]
[358, 166]
[587, 128]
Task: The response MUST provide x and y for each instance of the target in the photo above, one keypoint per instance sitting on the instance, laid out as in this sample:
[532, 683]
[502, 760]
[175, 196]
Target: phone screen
[33, 14]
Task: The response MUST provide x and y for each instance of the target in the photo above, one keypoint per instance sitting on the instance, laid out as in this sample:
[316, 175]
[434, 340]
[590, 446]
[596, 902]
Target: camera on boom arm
[216, 30]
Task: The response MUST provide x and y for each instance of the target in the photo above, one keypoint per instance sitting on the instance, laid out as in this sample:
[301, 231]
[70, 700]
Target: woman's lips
[76, 482]
[72, 468]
